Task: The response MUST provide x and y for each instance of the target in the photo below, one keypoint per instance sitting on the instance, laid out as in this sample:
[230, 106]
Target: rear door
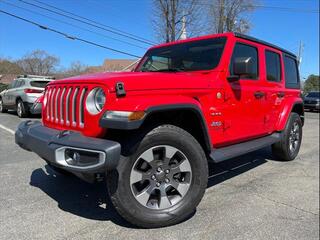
[273, 77]
[245, 98]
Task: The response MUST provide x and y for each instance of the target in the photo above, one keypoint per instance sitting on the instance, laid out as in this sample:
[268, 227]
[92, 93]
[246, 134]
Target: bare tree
[76, 68]
[172, 17]
[230, 15]
[38, 62]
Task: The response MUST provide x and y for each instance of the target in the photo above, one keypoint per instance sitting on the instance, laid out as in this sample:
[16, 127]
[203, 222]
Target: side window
[13, 84]
[22, 82]
[18, 84]
[243, 50]
[291, 72]
[273, 66]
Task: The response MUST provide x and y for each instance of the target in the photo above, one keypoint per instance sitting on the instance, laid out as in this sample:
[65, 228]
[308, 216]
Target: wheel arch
[295, 106]
[187, 116]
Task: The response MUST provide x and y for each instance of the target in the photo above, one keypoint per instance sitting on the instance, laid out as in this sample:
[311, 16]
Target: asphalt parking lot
[250, 197]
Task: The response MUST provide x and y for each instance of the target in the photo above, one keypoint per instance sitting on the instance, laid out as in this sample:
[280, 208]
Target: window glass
[39, 84]
[189, 56]
[245, 51]
[14, 84]
[18, 84]
[291, 72]
[273, 66]
[313, 95]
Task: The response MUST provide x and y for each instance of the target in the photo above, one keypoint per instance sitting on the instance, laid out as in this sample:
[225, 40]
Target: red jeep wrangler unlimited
[151, 132]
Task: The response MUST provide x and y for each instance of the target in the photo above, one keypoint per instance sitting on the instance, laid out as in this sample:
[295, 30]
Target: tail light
[28, 90]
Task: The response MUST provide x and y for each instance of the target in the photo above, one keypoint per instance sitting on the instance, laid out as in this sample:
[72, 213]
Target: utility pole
[183, 34]
[300, 53]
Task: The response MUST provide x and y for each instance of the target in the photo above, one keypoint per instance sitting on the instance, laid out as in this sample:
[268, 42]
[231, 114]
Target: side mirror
[242, 66]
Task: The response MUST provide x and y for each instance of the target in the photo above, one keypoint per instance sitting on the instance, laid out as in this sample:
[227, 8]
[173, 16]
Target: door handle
[281, 94]
[259, 94]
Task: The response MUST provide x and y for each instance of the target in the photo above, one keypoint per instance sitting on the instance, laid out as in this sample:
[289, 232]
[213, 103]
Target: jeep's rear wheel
[288, 148]
[163, 181]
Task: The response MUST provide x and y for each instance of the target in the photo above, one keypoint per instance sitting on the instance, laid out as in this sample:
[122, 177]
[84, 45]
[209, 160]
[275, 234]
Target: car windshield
[39, 84]
[189, 56]
[314, 95]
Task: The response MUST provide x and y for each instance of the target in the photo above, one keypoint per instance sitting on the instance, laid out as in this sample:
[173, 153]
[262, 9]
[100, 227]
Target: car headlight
[96, 100]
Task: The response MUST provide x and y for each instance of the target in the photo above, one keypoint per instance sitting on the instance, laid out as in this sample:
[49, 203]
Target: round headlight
[96, 100]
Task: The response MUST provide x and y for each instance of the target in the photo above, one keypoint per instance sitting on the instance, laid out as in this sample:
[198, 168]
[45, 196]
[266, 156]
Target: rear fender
[288, 107]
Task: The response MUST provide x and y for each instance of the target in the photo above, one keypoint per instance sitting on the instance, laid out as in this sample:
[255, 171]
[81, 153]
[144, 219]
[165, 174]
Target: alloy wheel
[161, 177]
[19, 109]
[1, 105]
[294, 137]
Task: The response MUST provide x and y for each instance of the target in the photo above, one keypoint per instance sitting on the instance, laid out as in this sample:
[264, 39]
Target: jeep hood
[134, 81]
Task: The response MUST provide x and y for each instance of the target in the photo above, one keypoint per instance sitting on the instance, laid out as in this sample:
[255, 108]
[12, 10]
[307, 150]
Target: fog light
[72, 157]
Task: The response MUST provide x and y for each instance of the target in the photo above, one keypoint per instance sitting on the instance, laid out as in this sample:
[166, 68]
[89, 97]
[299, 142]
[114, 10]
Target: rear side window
[39, 84]
[19, 84]
[291, 72]
[273, 66]
[14, 84]
[243, 50]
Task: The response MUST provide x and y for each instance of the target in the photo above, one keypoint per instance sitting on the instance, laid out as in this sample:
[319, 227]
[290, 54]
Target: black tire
[120, 188]
[2, 108]
[22, 110]
[283, 150]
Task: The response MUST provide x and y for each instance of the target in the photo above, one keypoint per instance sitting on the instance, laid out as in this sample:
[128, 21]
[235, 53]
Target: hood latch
[120, 91]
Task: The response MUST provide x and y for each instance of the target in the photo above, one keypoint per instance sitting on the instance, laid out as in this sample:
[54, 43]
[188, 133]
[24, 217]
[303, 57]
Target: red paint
[242, 115]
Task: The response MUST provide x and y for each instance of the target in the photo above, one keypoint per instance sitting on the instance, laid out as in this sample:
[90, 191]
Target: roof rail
[243, 36]
[35, 76]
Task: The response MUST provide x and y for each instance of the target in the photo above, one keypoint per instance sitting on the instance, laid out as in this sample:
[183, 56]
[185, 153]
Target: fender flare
[124, 125]
[284, 116]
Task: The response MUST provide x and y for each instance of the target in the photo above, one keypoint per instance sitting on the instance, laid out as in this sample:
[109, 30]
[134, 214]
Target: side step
[225, 153]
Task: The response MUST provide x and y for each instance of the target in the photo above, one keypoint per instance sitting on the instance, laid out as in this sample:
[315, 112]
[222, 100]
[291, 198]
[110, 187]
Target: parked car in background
[312, 101]
[22, 93]
[36, 108]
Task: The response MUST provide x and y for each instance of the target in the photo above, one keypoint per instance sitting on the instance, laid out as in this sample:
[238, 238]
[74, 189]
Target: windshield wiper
[170, 70]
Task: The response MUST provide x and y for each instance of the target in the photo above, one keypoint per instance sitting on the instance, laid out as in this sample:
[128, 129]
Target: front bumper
[311, 106]
[71, 151]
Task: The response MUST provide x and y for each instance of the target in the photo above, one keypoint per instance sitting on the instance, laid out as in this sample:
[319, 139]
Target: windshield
[314, 95]
[189, 56]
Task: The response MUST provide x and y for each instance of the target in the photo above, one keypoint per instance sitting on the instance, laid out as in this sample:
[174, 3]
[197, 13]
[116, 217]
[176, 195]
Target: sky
[285, 26]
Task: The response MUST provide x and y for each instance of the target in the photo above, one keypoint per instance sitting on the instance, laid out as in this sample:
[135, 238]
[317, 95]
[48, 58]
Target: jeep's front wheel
[163, 181]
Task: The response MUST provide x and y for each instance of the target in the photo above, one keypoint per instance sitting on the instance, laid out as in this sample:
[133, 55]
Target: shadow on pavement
[91, 201]
[77, 196]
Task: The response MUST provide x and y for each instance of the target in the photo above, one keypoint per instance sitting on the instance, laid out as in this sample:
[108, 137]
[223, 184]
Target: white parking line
[7, 129]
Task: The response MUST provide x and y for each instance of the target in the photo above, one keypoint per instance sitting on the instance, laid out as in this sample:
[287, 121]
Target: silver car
[22, 93]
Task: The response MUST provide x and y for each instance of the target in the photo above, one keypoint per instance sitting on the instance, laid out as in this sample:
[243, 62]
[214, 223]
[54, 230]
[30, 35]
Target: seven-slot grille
[65, 105]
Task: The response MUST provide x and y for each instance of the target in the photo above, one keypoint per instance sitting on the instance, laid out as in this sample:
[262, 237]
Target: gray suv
[22, 93]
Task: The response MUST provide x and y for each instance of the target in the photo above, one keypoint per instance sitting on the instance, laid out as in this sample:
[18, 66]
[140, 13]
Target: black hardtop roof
[243, 36]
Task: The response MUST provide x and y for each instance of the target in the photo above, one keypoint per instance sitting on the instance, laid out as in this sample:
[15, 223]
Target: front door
[244, 99]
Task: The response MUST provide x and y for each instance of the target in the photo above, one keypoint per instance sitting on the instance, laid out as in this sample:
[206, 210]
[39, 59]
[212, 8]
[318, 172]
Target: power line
[88, 23]
[73, 25]
[67, 35]
[93, 21]
[270, 7]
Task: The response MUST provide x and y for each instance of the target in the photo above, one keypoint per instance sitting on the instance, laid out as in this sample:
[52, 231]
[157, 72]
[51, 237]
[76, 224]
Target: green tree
[3, 86]
[311, 84]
